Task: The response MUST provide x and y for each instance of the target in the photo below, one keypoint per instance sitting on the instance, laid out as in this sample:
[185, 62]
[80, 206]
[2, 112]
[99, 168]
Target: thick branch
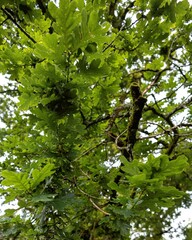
[134, 119]
[117, 21]
[112, 8]
[185, 125]
[126, 146]
[41, 6]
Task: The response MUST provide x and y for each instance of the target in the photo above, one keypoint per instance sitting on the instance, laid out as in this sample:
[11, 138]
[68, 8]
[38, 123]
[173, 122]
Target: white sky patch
[184, 220]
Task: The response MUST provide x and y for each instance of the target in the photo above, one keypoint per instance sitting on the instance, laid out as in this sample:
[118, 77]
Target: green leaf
[138, 180]
[170, 191]
[84, 28]
[126, 213]
[176, 166]
[17, 180]
[114, 186]
[93, 21]
[53, 9]
[172, 12]
[64, 203]
[39, 175]
[131, 168]
[28, 100]
[156, 64]
[43, 198]
[155, 162]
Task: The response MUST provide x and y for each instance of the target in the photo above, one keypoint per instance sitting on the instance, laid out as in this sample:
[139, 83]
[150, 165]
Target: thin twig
[14, 21]
[117, 140]
[89, 150]
[180, 70]
[180, 107]
[175, 130]
[156, 78]
[120, 30]
[98, 208]
[86, 194]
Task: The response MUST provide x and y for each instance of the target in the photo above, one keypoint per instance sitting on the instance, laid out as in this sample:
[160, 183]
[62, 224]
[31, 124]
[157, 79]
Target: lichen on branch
[136, 114]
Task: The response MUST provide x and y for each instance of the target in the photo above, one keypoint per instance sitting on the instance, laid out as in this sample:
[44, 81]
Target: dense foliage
[97, 109]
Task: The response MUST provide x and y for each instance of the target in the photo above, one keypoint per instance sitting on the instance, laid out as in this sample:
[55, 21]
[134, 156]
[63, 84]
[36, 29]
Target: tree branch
[134, 119]
[89, 150]
[112, 117]
[14, 21]
[180, 107]
[173, 127]
[9, 91]
[98, 208]
[154, 81]
[118, 34]
[41, 6]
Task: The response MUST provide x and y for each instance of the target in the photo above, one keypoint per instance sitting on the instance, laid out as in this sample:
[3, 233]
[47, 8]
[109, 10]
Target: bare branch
[155, 80]
[98, 208]
[180, 70]
[180, 107]
[185, 125]
[174, 128]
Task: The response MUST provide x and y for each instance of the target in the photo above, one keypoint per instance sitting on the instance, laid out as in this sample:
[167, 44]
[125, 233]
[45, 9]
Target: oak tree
[97, 114]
